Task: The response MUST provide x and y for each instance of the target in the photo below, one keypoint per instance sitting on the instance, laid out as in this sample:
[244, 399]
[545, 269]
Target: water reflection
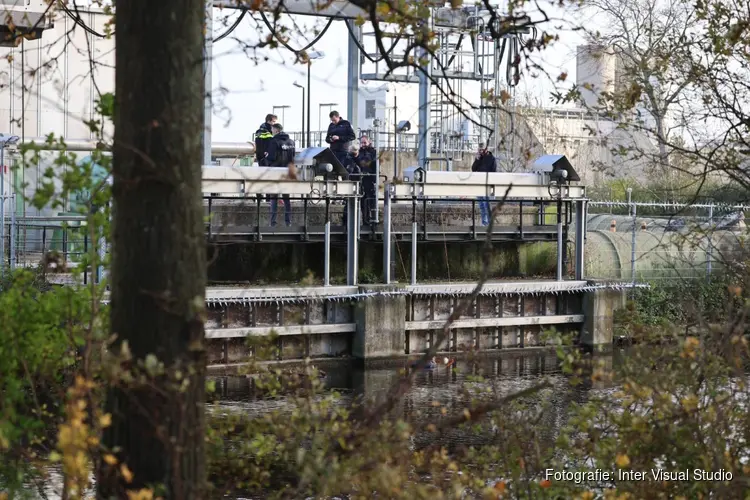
[486, 378]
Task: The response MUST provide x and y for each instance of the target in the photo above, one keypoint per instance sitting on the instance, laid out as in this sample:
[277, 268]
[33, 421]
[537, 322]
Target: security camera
[404, 126]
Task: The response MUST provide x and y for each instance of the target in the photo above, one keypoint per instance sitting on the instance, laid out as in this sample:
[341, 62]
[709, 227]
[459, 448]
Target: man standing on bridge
[263, 137]
[281, 154]
[340, 134]
[484, 162]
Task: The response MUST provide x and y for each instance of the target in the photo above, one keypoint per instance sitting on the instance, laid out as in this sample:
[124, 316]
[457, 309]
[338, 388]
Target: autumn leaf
[622, 460]
[545, 483]
[504, 96]
[110, 459]
[126, 474]
[562, 77]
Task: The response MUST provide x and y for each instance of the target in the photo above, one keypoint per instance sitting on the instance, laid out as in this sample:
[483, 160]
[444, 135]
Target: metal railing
[406, 142]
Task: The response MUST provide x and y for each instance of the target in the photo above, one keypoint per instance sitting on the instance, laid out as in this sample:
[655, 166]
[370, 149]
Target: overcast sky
[248, 83]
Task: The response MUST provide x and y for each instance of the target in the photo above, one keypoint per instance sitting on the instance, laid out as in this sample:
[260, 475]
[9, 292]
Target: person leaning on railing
[484, 162]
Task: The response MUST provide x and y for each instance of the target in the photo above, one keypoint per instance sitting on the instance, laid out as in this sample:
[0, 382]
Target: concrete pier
[381, 323]
[599, 306]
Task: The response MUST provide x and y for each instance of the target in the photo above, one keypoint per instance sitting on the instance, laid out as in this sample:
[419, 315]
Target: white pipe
[217, 148]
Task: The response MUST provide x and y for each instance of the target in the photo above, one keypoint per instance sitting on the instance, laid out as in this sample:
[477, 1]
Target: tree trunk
[158, 272]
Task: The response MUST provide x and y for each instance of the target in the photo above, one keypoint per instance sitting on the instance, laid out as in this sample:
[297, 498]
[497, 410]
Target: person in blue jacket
[484, 162]
[263, 137]
[340, 135]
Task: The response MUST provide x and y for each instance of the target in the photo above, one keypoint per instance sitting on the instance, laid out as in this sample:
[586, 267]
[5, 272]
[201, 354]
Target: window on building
[370, 109]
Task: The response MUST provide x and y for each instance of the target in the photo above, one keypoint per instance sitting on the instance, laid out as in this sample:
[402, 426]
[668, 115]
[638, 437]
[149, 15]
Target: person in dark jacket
[484, 162]
[340, 134]
[263, 137]
[280, 154]
[367, 162]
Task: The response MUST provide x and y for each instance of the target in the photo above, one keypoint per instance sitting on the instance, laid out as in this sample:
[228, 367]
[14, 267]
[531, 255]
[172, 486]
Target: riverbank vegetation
[113, 398]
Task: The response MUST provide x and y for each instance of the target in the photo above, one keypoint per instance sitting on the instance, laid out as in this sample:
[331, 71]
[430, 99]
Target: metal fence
[407, 141]
[640, 242]
[625, 241]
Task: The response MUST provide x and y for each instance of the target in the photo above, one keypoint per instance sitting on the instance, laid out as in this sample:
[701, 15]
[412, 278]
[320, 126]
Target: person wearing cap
[484, 162]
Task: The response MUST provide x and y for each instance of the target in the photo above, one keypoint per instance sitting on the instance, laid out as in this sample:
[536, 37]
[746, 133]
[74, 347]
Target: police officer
[366, 161]
[340, 134]
[280, 154]
[263, 137]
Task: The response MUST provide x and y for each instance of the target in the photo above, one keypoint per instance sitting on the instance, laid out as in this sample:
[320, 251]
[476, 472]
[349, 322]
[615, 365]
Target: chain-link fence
[636, 241]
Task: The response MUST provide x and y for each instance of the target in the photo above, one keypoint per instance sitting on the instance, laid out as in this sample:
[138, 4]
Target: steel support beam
[352, 91]
[580, 236]
[342, 189]
[334, 8]
[414, 238]
[352, 241]
[387, 243]
[327, 255]
[515, 191]
[424, 149]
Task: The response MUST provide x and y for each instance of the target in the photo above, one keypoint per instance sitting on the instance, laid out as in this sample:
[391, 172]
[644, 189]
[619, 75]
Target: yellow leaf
[105, 420]
[126, 474]
[110, 459]
[622, 460]
[143, 494]
[3, 495]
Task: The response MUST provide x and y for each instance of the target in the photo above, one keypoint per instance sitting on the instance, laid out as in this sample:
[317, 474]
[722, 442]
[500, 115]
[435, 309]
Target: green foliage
[39, 337]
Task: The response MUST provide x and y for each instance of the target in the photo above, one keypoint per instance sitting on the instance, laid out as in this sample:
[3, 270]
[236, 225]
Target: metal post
[2, 211]
[395, 138]
[352, 240]
[327, 246]
[710, 243]
[424, 106]
[559, 241]
[353, 69]
[387, 244]
[632, 243]
[581, 209]
[208, 79]
[376, 124]
[309, 100]
[414, 253]
[13, 232]
[327, 255]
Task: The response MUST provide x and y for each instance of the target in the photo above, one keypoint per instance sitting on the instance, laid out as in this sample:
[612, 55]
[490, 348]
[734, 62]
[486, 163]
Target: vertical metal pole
[581, 208]
[208, 79]
[352, 239]
[632, 243]
[387, 244]
[395, 138]
[309, 101]
[559, 241]
[327, 247]
[352, 69]
[13, 232]
[414, 252]
[2, 211]
[327, 258]
[377, 173]
[710, 242]
[424, 106]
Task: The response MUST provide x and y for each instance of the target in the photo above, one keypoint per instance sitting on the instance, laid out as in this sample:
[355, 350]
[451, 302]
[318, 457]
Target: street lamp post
[302, 138]
[329, 105]
[283, 108]
[311, 56]
[5, 140]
